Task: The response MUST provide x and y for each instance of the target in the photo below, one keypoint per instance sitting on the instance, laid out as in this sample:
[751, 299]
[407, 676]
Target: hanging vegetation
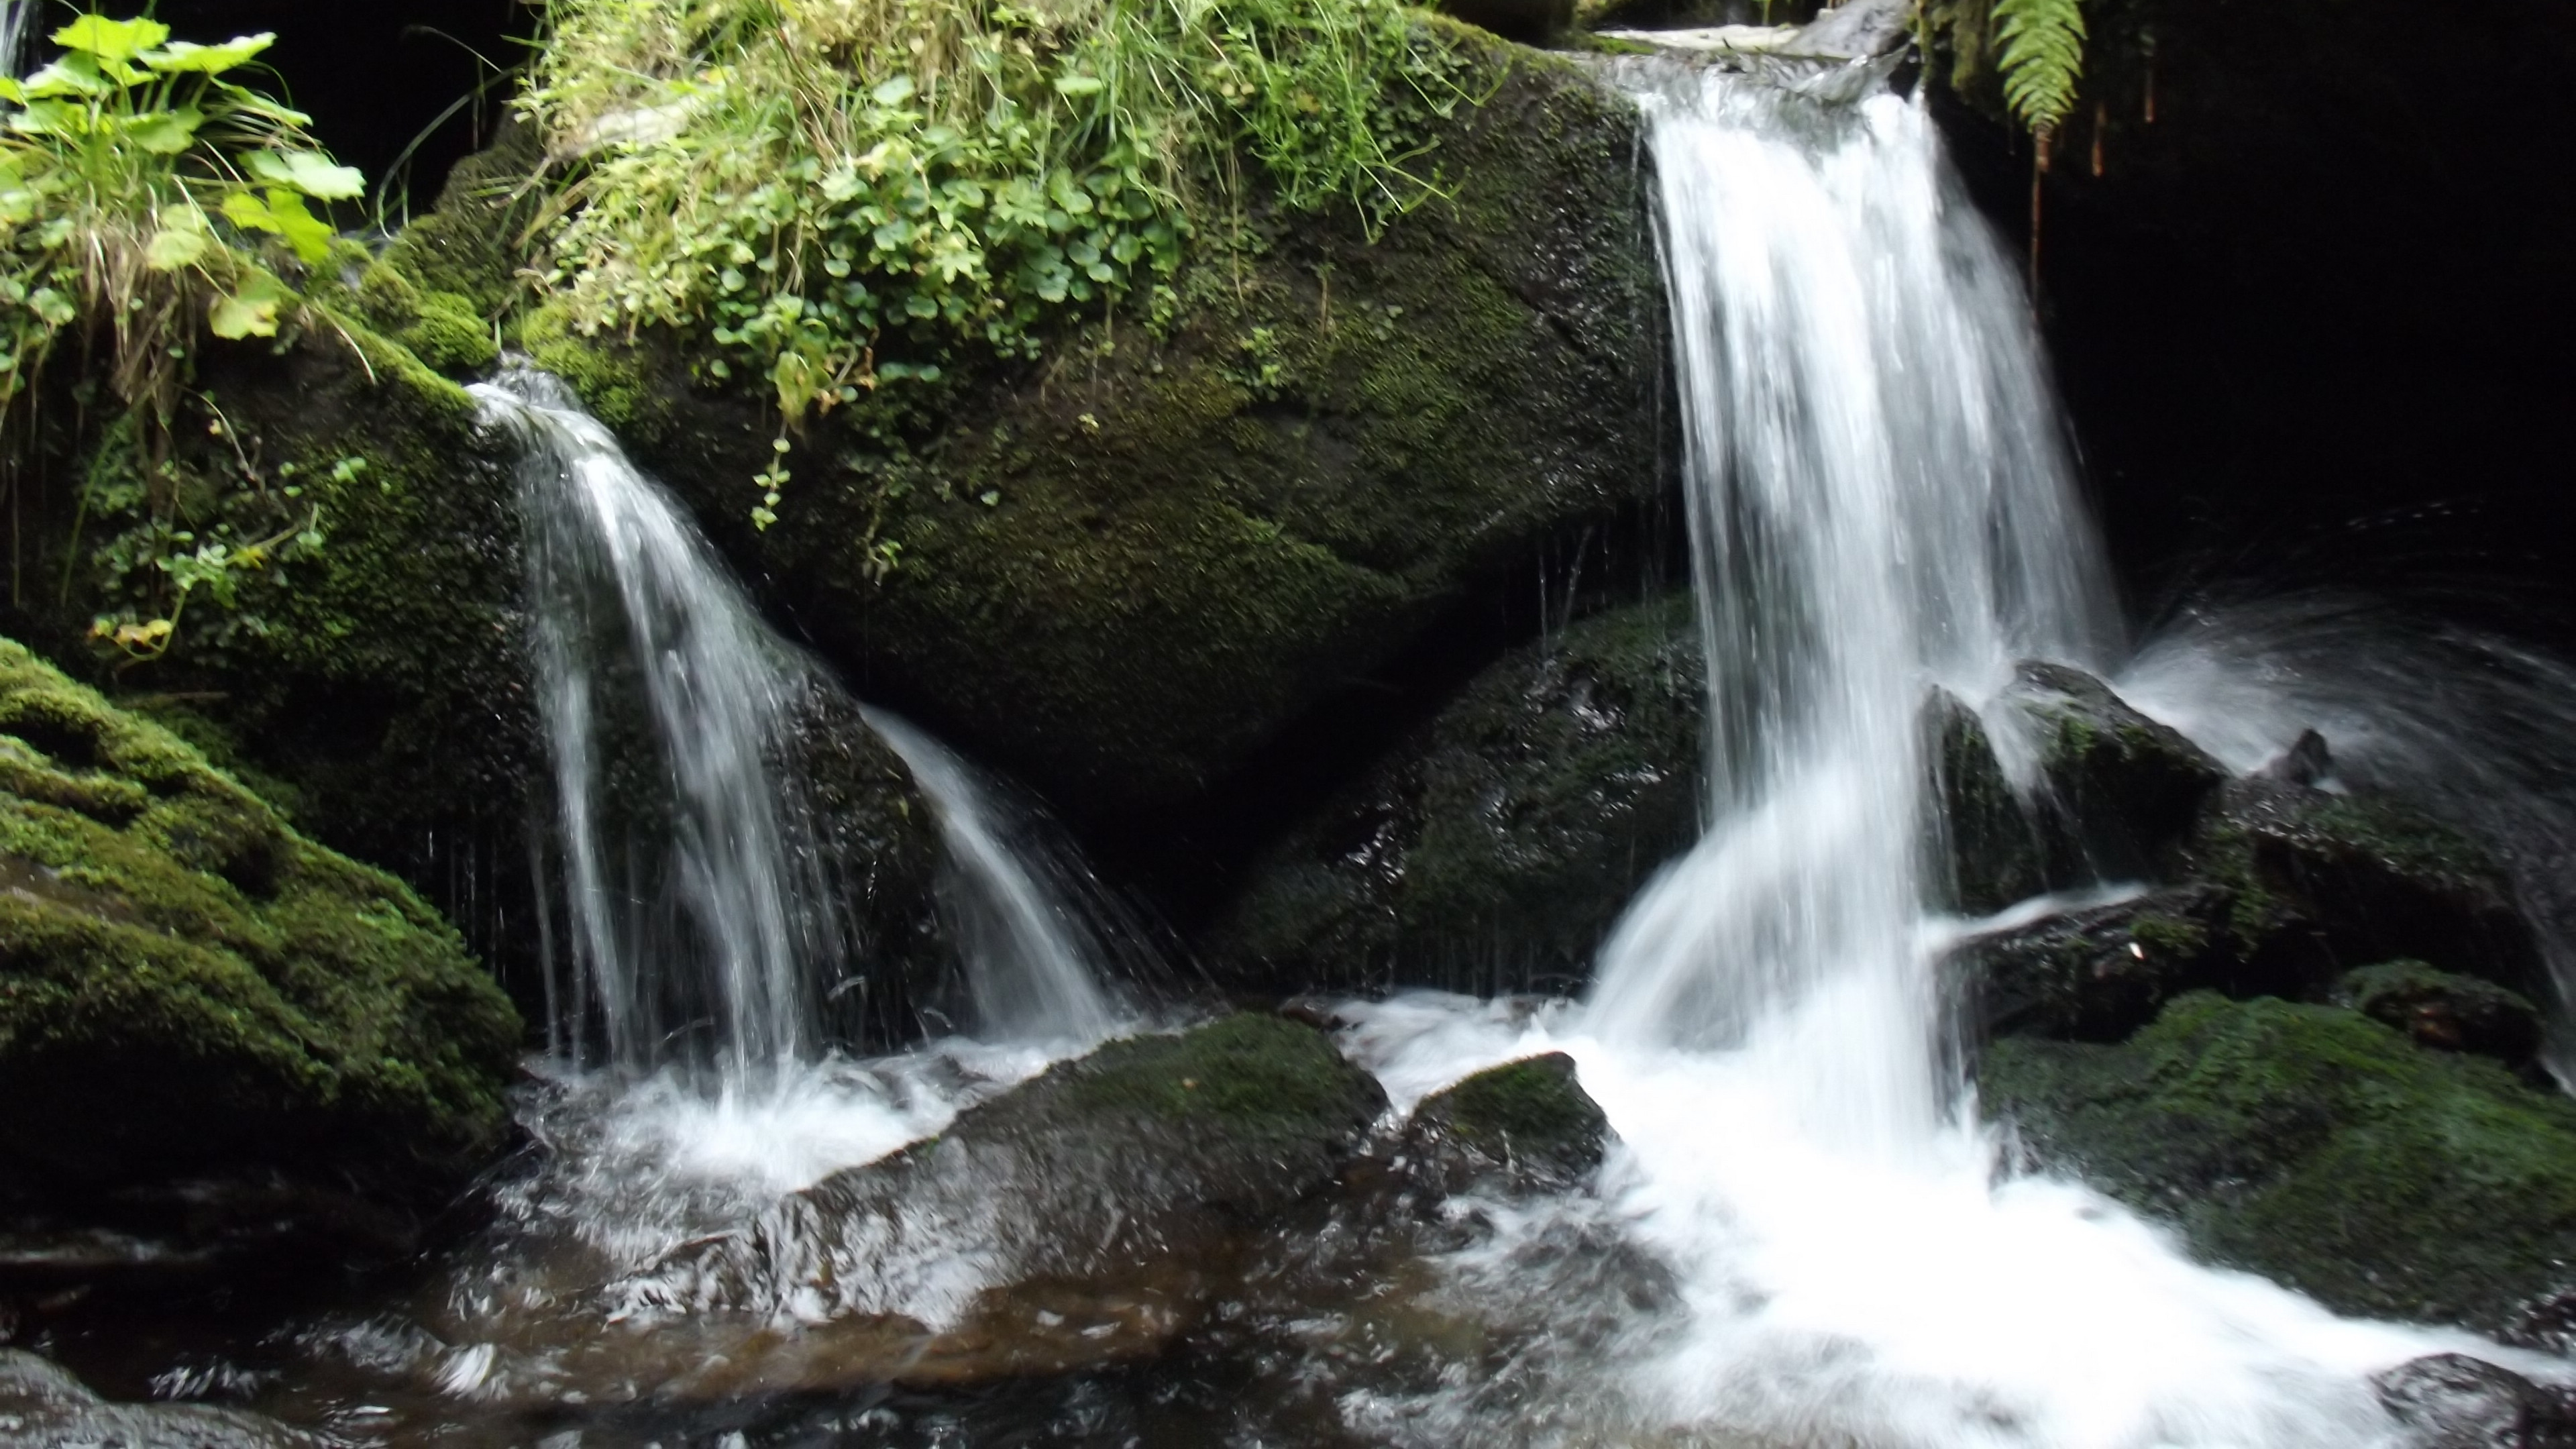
[2041, 58]
[838, 193]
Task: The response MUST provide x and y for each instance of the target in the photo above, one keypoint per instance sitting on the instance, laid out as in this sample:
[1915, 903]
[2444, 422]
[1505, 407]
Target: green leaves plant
[2041, 58]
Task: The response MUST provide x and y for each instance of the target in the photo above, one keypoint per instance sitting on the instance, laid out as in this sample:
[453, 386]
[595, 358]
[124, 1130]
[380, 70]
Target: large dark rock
[42, 1406]
[2438, 1009]
[188, 984]
[2324, 882]
[1083, 1219]
[2097, 973]
[1122, 571]
[1495, 846]
[2317, 1147]
[1520, 1127]
[2118, 790]
[1985, 846]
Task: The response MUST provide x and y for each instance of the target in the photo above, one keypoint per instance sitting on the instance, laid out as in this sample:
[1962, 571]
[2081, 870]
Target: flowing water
[1879, 503]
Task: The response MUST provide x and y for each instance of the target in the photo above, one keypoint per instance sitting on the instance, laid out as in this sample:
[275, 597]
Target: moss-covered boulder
[2097, 973]
[187, 984]
[2324, 882]
[2453, 1401]
[1522, 1126]
[2438, 1009]
[1119, 572]
[1085, 1218]
[1496, 845]
[1984, 847]
[2317, 1147]
[2118, 790]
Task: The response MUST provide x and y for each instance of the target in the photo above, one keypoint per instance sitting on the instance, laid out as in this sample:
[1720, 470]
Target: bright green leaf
[186, 57]
[166, 133]
[53, 306]
[113, 40]
[1077, 85]
[251, 309]
[174, 247]
[309, 172]
[892, 92]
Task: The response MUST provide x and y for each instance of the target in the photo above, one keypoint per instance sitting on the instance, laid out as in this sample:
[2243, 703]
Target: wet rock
[2306, 762]
[2453, 1401]
[2121, 789]
[1085, 1218]
[2324, 882]
[42, 1406]
[2097, 973]
[2438, 1009]
[1496, 846]
[2317, 1147]
[1523, 1126]
[188, 984]
[1985, 848]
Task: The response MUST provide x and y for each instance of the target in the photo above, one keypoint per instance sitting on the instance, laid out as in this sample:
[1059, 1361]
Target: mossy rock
[2119, 790]
[1122, 571]
[42, 1404]
[1108, 1202]
[2318, 1147]
[1984, 847]
[1495, 846]
[2438, 1009]
[2098, 973]
[1520, 1126]
[2324, 882]
[189, 985]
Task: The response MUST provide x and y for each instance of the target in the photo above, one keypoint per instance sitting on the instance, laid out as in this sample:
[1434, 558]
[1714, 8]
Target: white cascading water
[714, 907]
[1879, 503]
[17, 34]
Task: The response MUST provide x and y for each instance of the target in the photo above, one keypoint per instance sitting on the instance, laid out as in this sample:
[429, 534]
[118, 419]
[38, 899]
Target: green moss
[2316, 1146]
[1525, 1107]
[185, 982]
[611, 382]
[1251, 1072]
[2174, 936]
[469, 246]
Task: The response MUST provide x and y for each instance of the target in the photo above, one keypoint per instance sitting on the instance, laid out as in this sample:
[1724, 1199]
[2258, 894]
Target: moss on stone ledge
[186, 983]
[2318, 1147]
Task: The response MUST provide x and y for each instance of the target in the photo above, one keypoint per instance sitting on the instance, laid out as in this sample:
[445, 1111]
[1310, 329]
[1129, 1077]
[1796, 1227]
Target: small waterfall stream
[700, 893]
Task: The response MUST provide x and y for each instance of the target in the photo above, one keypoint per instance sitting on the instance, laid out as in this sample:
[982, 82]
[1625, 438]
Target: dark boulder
[1122, 572]
[1520, 1127]
[2096, 973]
[2118, 790]
[1531, 22]
[42, 1406]
[2325, 882]
[2438, 1009]
[2453, 1401]
[1495, 846]
[2315, 1146]
[1985, 847]
[1086, 1218]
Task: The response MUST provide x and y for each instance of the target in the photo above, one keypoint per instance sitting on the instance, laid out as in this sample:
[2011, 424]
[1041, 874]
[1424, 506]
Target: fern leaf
[2042, 57]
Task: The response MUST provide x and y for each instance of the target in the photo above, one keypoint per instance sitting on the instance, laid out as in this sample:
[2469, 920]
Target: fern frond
[2042, 57]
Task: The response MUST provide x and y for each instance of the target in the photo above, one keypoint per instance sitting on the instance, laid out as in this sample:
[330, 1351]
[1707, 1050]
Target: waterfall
[700, 896]
[17, 19]
[1879, 502]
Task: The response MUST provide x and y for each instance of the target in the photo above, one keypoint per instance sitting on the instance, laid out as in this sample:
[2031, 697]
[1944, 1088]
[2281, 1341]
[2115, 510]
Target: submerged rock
[187, 984]
[2315, 1146]
[2453, 1401]
[1523, 1126]
[1498, 844]
[1083, 1219]
[42, 1406]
